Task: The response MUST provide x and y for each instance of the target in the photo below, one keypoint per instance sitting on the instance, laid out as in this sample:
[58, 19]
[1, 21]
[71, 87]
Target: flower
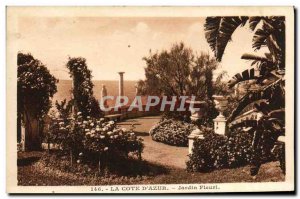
[102, 136]
[106, 148]
[85, 122]
[110, 133]
[80, 154]
[124, 129]
[79, 113]
[111, 122]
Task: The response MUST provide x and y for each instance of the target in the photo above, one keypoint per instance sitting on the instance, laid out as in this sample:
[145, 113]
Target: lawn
[31, 172]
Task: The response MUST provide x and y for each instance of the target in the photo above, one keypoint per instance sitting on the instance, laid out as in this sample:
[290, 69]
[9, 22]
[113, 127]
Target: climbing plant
[84, 101]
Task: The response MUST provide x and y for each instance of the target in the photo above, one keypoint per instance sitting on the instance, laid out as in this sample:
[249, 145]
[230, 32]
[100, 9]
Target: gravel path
[157, 152]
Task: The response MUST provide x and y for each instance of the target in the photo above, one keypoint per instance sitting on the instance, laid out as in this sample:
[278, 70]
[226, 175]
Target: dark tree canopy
[35, 86]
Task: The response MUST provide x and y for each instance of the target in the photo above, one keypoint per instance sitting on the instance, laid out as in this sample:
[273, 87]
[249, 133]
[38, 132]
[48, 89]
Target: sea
[64, 89]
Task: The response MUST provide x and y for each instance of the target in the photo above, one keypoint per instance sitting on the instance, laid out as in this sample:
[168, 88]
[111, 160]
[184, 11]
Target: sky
[114, 44]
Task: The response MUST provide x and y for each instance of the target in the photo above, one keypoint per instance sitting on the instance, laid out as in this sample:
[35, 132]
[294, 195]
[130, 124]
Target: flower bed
[172, 132]
[93, 140]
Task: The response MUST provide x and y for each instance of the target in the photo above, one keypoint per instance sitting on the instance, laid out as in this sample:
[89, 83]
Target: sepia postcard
[150, 99]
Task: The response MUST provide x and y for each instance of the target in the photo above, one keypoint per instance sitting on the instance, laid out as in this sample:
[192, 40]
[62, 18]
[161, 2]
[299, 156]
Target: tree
[269, 98]
[84, 100]
[179, 72]
[170, 70]
[35, 88]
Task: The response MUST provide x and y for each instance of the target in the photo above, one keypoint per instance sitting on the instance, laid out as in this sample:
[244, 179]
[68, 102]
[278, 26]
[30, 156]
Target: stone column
[196, 134]
[220, 125]
[121, 84]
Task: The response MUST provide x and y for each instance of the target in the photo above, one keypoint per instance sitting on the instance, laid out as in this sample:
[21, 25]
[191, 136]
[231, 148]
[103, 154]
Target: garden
[79, 145]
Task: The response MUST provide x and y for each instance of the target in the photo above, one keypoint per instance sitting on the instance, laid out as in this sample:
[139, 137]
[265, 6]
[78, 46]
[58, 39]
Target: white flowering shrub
[93, 139]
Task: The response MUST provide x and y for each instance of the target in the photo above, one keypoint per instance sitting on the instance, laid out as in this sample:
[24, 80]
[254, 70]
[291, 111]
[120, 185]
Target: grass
[162, 164]
[32, 172]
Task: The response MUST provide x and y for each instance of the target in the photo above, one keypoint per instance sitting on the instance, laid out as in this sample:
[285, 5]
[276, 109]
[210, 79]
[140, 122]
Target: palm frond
[261, 36]
[248, 74]
[254, 21]
[255, 57]
[266, 93]
[218, 32]
[212, 29]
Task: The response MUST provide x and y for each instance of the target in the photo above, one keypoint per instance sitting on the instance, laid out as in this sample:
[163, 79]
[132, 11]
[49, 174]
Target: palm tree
[266, 73]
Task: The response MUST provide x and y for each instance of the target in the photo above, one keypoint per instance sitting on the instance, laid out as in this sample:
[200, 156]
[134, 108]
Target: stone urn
[221, 103]
[220, 121]
[196, 108]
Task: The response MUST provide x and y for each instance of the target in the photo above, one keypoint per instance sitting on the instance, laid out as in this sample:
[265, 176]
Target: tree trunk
[32, 134]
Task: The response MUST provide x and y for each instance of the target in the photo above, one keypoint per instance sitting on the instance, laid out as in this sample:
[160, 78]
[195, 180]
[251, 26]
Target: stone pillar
[121, 84]
[194, 135]
[220, 125]
[22, 142]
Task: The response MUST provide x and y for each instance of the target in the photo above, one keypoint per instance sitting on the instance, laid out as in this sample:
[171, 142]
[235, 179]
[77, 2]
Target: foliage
[93, 138]
[35, 86]
[218, 151]
[268, 32]
[172, 132]
[179, 72]
[64, 109]
[83, 88]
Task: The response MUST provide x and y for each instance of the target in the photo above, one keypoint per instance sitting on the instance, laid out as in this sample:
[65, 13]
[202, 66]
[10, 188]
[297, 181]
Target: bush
[218, 151]
[172, 132]
[93, 140]
[208, 153]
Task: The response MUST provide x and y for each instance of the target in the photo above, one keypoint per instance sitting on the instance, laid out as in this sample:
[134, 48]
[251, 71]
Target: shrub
[93, 139]
[218, 151]
[172, 132]
[208, 153]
